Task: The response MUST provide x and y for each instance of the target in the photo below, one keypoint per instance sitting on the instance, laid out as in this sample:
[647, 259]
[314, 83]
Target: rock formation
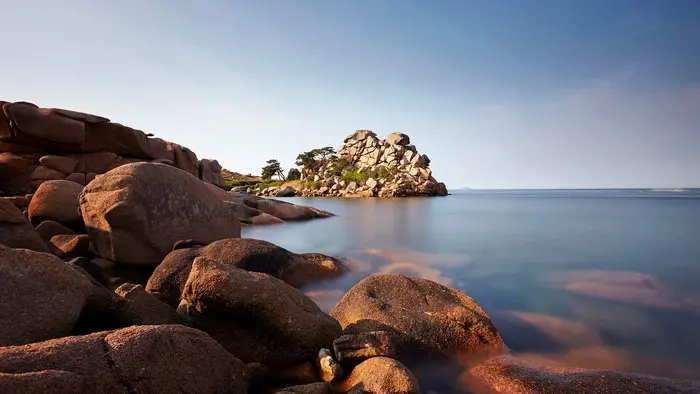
[41, 144]
[367, 166]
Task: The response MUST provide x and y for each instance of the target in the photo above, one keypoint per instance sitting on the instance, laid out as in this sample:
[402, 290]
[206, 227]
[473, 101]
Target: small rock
[379, 375]
[330, 370]
[371, 183]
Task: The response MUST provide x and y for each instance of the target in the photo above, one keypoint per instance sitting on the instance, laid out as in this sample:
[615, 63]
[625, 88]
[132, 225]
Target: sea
[603, 279]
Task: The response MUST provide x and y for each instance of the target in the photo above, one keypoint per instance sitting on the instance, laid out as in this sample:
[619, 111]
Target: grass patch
[310, 184]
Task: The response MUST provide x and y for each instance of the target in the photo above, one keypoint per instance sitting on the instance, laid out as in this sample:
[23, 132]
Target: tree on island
[293, 174]
[315, 159]
[273, 168]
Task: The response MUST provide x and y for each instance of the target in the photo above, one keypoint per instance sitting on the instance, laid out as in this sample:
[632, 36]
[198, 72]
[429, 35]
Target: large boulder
[168, 279]
[135, 213]
[379, 375]
[140, 359]
[57, 201]
[509, 375]
[41, 296]
[427, 323]
[15, 230]
[398, 139]
[255, 316]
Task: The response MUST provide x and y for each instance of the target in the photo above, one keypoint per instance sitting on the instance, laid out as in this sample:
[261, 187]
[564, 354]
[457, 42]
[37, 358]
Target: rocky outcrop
[40, 144]
[134, 214]
[367, 166]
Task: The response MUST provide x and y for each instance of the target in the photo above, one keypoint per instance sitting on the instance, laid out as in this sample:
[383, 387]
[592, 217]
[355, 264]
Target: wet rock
[379, 375]
[139, 359]
[40, 294]
[257, 317]
[135, 213]
[507, 374]
[280, 209]
[57, 201]
[426, 320]
[15, 230]
[168, 279]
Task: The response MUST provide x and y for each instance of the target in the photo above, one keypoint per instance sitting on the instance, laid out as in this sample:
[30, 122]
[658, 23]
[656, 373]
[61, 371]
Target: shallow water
[595, 279]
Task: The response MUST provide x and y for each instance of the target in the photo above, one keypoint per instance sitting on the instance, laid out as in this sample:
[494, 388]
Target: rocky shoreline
[140, 282]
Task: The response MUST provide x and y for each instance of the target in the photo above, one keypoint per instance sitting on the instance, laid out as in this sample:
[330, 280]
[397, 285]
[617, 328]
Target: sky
[499, 94]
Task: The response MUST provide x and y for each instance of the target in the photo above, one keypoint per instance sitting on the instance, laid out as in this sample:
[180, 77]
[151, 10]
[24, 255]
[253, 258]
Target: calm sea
[590, 278]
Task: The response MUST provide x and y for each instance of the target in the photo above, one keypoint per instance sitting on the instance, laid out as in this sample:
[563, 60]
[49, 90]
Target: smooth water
[590, 278]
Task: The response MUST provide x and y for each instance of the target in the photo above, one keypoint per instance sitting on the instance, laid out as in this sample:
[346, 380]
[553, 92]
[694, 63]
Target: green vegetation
[293, 174]
[269, 183]
[314, 159]
[360, 177]
[230, 183]
[272, 168]
[311, 184]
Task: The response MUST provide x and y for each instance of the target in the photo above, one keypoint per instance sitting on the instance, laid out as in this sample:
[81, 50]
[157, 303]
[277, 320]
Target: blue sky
[500, 94]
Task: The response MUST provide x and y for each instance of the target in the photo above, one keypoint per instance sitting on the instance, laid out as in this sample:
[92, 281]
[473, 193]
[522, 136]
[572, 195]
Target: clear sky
[499, 94]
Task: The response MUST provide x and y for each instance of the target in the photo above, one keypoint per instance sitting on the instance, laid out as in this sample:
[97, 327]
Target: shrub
[311, 184]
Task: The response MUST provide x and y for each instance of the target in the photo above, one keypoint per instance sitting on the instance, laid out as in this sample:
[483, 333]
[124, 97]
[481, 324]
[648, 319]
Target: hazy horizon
[500, 95]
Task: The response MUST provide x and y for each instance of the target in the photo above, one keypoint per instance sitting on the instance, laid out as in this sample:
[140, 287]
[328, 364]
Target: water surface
[588, 278]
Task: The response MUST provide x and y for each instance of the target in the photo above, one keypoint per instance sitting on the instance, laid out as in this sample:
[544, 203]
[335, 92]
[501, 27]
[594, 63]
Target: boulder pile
[367, 166]
[42, 144]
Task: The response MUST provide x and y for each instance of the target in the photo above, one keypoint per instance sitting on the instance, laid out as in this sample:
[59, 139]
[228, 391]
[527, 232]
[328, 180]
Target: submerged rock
[507, 374]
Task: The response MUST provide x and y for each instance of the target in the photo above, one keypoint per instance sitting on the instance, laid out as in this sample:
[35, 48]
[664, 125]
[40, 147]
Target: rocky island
[365, 166]
[137, 280]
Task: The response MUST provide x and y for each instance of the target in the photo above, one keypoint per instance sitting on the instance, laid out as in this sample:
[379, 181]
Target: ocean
[605, 279]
